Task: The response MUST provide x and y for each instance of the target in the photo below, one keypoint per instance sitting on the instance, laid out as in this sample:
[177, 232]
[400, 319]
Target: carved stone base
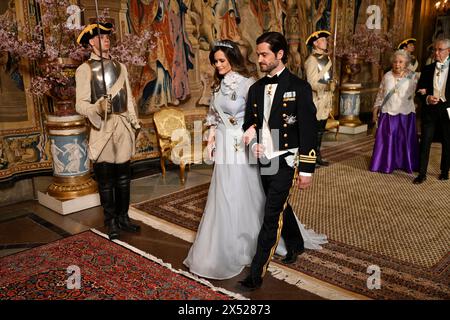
[69, 206]
[353, 130]
[350, 121]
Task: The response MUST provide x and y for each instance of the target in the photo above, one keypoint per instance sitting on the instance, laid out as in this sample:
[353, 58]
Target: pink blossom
[52, 39]
[366, 44]
[133, 50]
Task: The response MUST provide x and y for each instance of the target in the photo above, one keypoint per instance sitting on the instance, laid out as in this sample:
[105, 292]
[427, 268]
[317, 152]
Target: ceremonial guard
[409, 46]
[103, 95]
[319, 74]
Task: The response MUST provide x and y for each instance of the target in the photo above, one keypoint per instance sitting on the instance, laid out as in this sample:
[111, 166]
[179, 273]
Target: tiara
[222, 44]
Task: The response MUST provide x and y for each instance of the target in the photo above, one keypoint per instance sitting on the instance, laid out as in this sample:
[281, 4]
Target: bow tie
[270, 80]
[442, 65]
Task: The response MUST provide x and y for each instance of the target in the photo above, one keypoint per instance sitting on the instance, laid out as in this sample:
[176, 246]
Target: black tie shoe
[419, 179]
[251, 284]
[125, 224]
[292, 255]
[322, 163]
[443, 176]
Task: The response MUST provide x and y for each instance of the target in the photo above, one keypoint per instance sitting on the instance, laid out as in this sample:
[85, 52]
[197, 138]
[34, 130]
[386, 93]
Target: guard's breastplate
[322, 61]
[112, 72]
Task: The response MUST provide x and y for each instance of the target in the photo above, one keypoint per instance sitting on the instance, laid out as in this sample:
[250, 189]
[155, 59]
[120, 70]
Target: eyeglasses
[440, 49]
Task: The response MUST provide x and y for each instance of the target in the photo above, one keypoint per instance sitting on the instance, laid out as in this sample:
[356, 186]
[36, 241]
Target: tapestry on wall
[24, 146]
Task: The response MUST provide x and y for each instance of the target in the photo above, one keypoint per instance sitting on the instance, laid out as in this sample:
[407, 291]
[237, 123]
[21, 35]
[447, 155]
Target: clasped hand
[104, 104]
[432, 100]
[249, 135]
[258, 150]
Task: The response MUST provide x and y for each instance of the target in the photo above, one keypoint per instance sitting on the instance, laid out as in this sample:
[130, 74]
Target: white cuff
[305, 174]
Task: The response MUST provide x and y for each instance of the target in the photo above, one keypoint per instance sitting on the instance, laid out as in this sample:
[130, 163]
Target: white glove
[134, 123]
[103, 104]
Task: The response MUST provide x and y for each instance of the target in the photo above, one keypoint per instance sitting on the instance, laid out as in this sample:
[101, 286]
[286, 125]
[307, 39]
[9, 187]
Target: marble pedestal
[65, 207]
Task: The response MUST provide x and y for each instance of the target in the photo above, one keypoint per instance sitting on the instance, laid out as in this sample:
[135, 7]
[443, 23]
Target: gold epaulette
[310, 158]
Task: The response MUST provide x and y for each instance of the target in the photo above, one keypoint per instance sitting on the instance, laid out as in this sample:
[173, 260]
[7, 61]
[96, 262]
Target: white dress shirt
[440, 79]
[267, 142]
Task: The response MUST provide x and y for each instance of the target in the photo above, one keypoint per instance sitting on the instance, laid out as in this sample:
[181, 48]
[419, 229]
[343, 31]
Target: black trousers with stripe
[434, 120]
[276, 221]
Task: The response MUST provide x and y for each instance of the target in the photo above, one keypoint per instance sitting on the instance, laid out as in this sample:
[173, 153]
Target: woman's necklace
[397, 77]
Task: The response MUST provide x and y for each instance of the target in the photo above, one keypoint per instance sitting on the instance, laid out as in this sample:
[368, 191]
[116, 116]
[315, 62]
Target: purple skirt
[396, 144]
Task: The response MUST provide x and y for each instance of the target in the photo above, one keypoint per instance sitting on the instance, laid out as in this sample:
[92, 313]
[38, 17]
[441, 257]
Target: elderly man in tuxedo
[434, 92]
[280, 128]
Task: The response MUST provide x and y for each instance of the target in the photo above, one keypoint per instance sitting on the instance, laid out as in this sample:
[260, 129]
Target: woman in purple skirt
[396, 143]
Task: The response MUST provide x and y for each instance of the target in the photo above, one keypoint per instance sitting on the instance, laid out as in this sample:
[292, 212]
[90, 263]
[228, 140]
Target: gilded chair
[331, 124]
[174, 140]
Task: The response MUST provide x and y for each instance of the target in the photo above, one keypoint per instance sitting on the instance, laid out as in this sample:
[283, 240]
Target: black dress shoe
[443, 176]
[292, 255]
[419, 179]
[322, 163]
[126, 225]
[250, 283]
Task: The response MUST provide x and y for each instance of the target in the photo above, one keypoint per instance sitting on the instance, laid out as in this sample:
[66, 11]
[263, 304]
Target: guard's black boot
[320, 161]
[113, 229]
[123, 180]
[104, 174]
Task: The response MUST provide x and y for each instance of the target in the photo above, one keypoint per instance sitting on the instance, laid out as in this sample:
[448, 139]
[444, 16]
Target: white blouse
[402, 100]
[231, 98]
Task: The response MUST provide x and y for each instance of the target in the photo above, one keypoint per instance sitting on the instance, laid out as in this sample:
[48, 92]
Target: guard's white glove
[135, 123]
[103, 104]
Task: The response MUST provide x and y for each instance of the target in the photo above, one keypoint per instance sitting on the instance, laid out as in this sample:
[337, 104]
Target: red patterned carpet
[108, 272]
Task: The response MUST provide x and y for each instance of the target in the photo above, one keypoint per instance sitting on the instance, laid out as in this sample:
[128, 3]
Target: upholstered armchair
[332, 123]
[174, 140]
